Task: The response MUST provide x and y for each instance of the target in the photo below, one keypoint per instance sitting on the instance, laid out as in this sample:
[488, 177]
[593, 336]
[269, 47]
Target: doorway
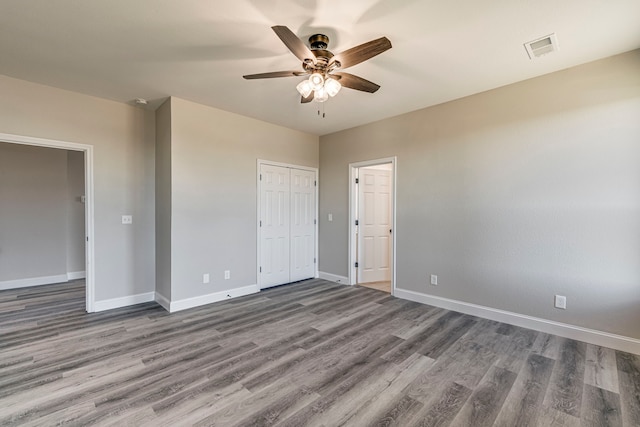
[88, 201]
[287, 225]
[372, 224]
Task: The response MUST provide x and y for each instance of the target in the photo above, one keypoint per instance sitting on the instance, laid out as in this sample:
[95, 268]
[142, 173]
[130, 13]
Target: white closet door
[303, 229]
[275, 230]
[374, 243]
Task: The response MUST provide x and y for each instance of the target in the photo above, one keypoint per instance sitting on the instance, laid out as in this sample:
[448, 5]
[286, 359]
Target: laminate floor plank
[629, 382]
[527, 394]
[388, 406]
[444, 406]
[311, 353]
[600, 368]
[485, 402]
[600, 408]
[565, 389]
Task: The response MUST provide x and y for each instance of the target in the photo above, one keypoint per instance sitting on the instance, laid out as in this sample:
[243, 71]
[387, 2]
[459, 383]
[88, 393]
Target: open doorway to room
[47, 219]
[372, 212]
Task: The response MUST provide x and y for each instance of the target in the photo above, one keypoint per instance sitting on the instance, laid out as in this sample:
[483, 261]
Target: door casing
[88, 210]
[353, 196]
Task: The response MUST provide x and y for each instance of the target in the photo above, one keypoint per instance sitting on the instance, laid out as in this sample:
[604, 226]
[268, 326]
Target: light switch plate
[127, 219]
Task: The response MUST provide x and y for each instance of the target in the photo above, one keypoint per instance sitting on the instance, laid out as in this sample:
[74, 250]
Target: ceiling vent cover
[542, 46]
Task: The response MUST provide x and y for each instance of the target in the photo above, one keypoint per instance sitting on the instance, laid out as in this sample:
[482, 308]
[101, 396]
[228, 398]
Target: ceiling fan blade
[360, 53]
[295, 45]
[309, 98]
[274, 74]
[355, 82]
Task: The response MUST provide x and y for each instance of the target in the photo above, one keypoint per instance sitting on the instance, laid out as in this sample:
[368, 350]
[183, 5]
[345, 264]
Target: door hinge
[314, 222]
[357, 223]
[260, 223]
[357, 181]
[260, 177]
[260, 269]
[314, 260]
[315, 183]
[356, 265]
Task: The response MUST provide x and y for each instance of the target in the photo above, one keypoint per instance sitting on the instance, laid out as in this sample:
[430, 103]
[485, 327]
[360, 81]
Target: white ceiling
[198, 50]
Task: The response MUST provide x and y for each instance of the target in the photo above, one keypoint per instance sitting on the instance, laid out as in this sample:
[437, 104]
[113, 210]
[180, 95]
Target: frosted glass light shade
[304, 88]
[320, 95]
[316, 80]
[332, 86]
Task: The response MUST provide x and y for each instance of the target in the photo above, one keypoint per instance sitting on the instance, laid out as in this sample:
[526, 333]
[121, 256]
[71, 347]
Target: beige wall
[123, 138]
[512, 196]
[214, 193]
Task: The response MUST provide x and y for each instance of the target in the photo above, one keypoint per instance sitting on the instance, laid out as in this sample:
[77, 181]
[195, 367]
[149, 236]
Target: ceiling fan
[320, 65]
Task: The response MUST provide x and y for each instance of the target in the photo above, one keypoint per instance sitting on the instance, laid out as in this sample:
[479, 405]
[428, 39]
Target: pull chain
[323, 113]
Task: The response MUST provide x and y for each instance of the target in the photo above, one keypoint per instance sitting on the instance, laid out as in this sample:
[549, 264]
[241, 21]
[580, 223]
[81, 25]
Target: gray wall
[75, 212]
[41, 216]
[33, 212]
[123, 137]
[512, 195]
[214, 193]
[163, 200]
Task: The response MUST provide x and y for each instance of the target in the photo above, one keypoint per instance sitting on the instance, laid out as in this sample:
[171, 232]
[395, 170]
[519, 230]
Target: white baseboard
[123, 301]
[32, 281]
[579, 333]
[209, 298]
[74, 275]
[333, 278]
[163, 301]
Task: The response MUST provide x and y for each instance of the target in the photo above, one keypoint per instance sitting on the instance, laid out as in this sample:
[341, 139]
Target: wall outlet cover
[561, 302]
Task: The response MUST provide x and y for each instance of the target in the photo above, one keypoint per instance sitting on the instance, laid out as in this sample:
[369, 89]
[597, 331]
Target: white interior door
[375, 225]
[303, 228]
[287, 225]
[275, 224]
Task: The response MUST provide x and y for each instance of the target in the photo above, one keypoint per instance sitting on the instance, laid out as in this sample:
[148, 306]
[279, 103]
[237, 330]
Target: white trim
[261, 162]
[32, 281]
[210, 298]
[110, 304]
[351, 255]
[89, 208]
[75, 275]
[163, 301]
[343, 280]
[579, 333]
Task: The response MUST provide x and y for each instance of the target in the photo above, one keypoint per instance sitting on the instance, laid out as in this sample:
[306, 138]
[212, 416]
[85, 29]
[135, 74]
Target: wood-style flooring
[380, 286]
[312, 353]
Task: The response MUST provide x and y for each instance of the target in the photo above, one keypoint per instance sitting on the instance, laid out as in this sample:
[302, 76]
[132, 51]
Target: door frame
[88, 207]
[259, 164]
[353, 196]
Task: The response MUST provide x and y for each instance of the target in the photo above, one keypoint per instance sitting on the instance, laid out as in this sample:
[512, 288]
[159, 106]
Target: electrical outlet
[205, 278]
[227, 274]
[127, 219]
[434, 280]
[561, 302]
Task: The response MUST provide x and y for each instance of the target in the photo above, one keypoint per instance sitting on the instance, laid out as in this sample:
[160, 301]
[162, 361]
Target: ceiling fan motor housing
[318, 41]
[319, 44]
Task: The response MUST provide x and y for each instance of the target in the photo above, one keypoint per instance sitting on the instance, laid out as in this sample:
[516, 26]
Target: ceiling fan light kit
[320, 65]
